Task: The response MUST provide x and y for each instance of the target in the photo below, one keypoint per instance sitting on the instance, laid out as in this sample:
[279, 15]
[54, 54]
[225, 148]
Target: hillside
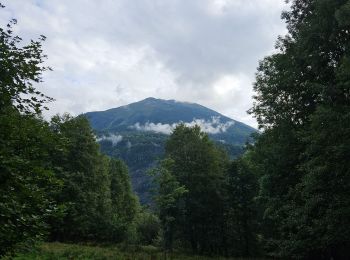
[137, 132]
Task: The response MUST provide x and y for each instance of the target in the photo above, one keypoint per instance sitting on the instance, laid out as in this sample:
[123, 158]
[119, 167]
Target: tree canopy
[302, 103]
[200, 197]
[288, 196]
[54, 181]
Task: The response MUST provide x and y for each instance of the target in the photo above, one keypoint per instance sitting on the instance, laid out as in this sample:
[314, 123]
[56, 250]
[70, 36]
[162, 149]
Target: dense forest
[287, 196]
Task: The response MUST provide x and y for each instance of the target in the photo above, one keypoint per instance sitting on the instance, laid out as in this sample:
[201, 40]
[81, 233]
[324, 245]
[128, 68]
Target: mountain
[137, 133]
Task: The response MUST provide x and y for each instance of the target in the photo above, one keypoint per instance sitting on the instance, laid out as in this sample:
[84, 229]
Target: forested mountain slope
[137, 132]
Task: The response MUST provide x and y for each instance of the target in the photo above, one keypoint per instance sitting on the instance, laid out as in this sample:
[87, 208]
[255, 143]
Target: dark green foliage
[241, 226]
[205, 202]
[84, 172]
[199, 166]
[291, 84]
[288, 195]
[26, 179]
[125, 205]
[141, 149]
[147, 227]
[97, 191]
[325, 188]
[274, 158]
[25, 144]
[168, 199]
[49, 251]
[302, 102]
[53, 177]
[20, 67]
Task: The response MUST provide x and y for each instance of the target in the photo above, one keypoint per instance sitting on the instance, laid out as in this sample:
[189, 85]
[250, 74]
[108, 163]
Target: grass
[57, 251]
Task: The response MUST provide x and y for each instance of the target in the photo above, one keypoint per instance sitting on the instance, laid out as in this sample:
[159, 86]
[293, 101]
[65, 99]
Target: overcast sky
[109, 53]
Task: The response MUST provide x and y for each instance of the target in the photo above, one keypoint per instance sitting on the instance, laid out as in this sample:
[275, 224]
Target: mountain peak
[156, 100]
[150, 99]
[138, 132]
[152, 114]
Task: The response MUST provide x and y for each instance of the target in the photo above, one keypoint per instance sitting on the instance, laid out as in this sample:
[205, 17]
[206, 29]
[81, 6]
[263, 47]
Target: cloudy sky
[109, 53]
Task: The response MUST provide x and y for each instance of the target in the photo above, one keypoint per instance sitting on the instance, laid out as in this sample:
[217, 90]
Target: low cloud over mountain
[114, 139]
[213, 126]
[137, 133]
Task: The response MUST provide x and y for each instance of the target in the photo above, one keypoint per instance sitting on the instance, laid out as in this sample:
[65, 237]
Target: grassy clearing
[56, 251]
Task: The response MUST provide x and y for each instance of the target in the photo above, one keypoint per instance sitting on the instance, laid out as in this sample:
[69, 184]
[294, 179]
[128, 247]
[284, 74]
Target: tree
[99, 202]
[241, 215]
[199, 167]
[147, 227]
[125, 205]
[84, 172]
[302, 103]
[325, 188]
[26, 176]
[21, 68]
[168, 199]
[292, 83]
[52, 175]
[26, 180]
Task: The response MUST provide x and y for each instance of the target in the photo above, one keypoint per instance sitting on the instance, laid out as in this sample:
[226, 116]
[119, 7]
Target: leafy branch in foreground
[21, 67]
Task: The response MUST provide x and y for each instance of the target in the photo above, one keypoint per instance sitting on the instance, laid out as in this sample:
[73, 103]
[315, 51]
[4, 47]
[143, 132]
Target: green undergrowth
[57, 251]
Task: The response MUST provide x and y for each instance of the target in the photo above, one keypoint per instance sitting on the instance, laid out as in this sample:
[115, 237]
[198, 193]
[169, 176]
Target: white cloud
[114, 139]
[113, 52]
[213, 126]
[152, 127]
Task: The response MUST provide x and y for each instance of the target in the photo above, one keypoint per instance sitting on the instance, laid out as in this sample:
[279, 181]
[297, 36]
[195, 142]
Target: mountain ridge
[155, 111]
[137, 132]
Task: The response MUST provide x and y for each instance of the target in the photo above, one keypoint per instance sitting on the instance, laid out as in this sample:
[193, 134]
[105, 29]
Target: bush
[148, 228]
